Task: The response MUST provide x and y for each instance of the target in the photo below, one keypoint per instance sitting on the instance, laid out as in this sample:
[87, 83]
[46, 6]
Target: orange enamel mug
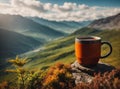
[88, 50]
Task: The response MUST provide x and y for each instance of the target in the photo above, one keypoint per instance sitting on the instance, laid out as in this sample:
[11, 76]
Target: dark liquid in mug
[86, 38]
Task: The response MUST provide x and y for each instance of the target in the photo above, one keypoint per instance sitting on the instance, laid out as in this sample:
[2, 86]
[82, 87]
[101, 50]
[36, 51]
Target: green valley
[62, 50]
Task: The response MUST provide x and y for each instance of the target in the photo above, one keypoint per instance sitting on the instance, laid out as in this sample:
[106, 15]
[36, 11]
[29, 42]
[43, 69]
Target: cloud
[68, 11]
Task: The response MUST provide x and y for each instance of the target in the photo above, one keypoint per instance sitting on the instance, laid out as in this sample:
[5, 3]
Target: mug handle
[107, 43]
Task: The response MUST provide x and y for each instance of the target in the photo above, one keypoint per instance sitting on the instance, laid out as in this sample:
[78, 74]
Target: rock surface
[86, 74]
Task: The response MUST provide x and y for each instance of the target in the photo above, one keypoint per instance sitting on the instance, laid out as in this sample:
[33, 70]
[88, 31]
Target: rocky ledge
[86, 73]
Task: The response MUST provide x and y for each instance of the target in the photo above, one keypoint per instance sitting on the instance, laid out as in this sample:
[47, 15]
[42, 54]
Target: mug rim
[88, 39]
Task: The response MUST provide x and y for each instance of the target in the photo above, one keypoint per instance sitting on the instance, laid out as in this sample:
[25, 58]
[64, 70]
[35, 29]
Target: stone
[86, 73]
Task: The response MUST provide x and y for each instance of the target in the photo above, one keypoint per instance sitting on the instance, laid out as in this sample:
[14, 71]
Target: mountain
[12, 43]
[62, 26]
[28, 27]
[112, 22]
[62, 50]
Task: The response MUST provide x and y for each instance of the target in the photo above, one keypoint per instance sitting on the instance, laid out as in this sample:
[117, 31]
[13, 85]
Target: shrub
[4, 85]
[35, 79]
[58, 77]
[103, 81]
[26, 79]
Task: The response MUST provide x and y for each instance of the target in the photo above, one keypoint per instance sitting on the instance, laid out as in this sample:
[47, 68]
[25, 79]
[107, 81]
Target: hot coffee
[88, 50]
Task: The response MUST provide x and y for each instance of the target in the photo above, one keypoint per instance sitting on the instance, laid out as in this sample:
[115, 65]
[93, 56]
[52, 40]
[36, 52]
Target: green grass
[62, 50]
[113, 37]
[58, 51]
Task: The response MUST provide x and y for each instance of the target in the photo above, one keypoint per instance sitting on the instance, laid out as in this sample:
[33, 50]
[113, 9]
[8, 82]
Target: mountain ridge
[13, 43]
[20, 26]
[111, 22]
[62, 26]
[62, 50]
[28, 27]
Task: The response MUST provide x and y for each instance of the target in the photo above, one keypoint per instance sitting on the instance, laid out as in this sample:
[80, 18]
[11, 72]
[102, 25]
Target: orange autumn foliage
[58, 76]
[108, 80]
[4, 85]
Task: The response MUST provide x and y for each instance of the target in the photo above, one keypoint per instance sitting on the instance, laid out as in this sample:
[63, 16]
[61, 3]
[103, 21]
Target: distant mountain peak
[112, 22]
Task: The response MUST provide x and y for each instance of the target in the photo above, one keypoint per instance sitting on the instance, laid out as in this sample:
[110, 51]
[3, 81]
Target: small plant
[59, 77]
[4, 85]
[21, 72]
[25, 79]
[19, 62]
[103, 81]
[35, 79]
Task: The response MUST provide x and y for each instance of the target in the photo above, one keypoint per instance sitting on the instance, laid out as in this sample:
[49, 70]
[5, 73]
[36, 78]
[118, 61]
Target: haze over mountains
[28, 27]
[62, 26]
[27, 33]
[62, 50]
[12, 43]
[22, 34]
[112, 22]
[17, 41]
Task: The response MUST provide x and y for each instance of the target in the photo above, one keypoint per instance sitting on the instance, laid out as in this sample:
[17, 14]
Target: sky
[109, 3]
[61, 10]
